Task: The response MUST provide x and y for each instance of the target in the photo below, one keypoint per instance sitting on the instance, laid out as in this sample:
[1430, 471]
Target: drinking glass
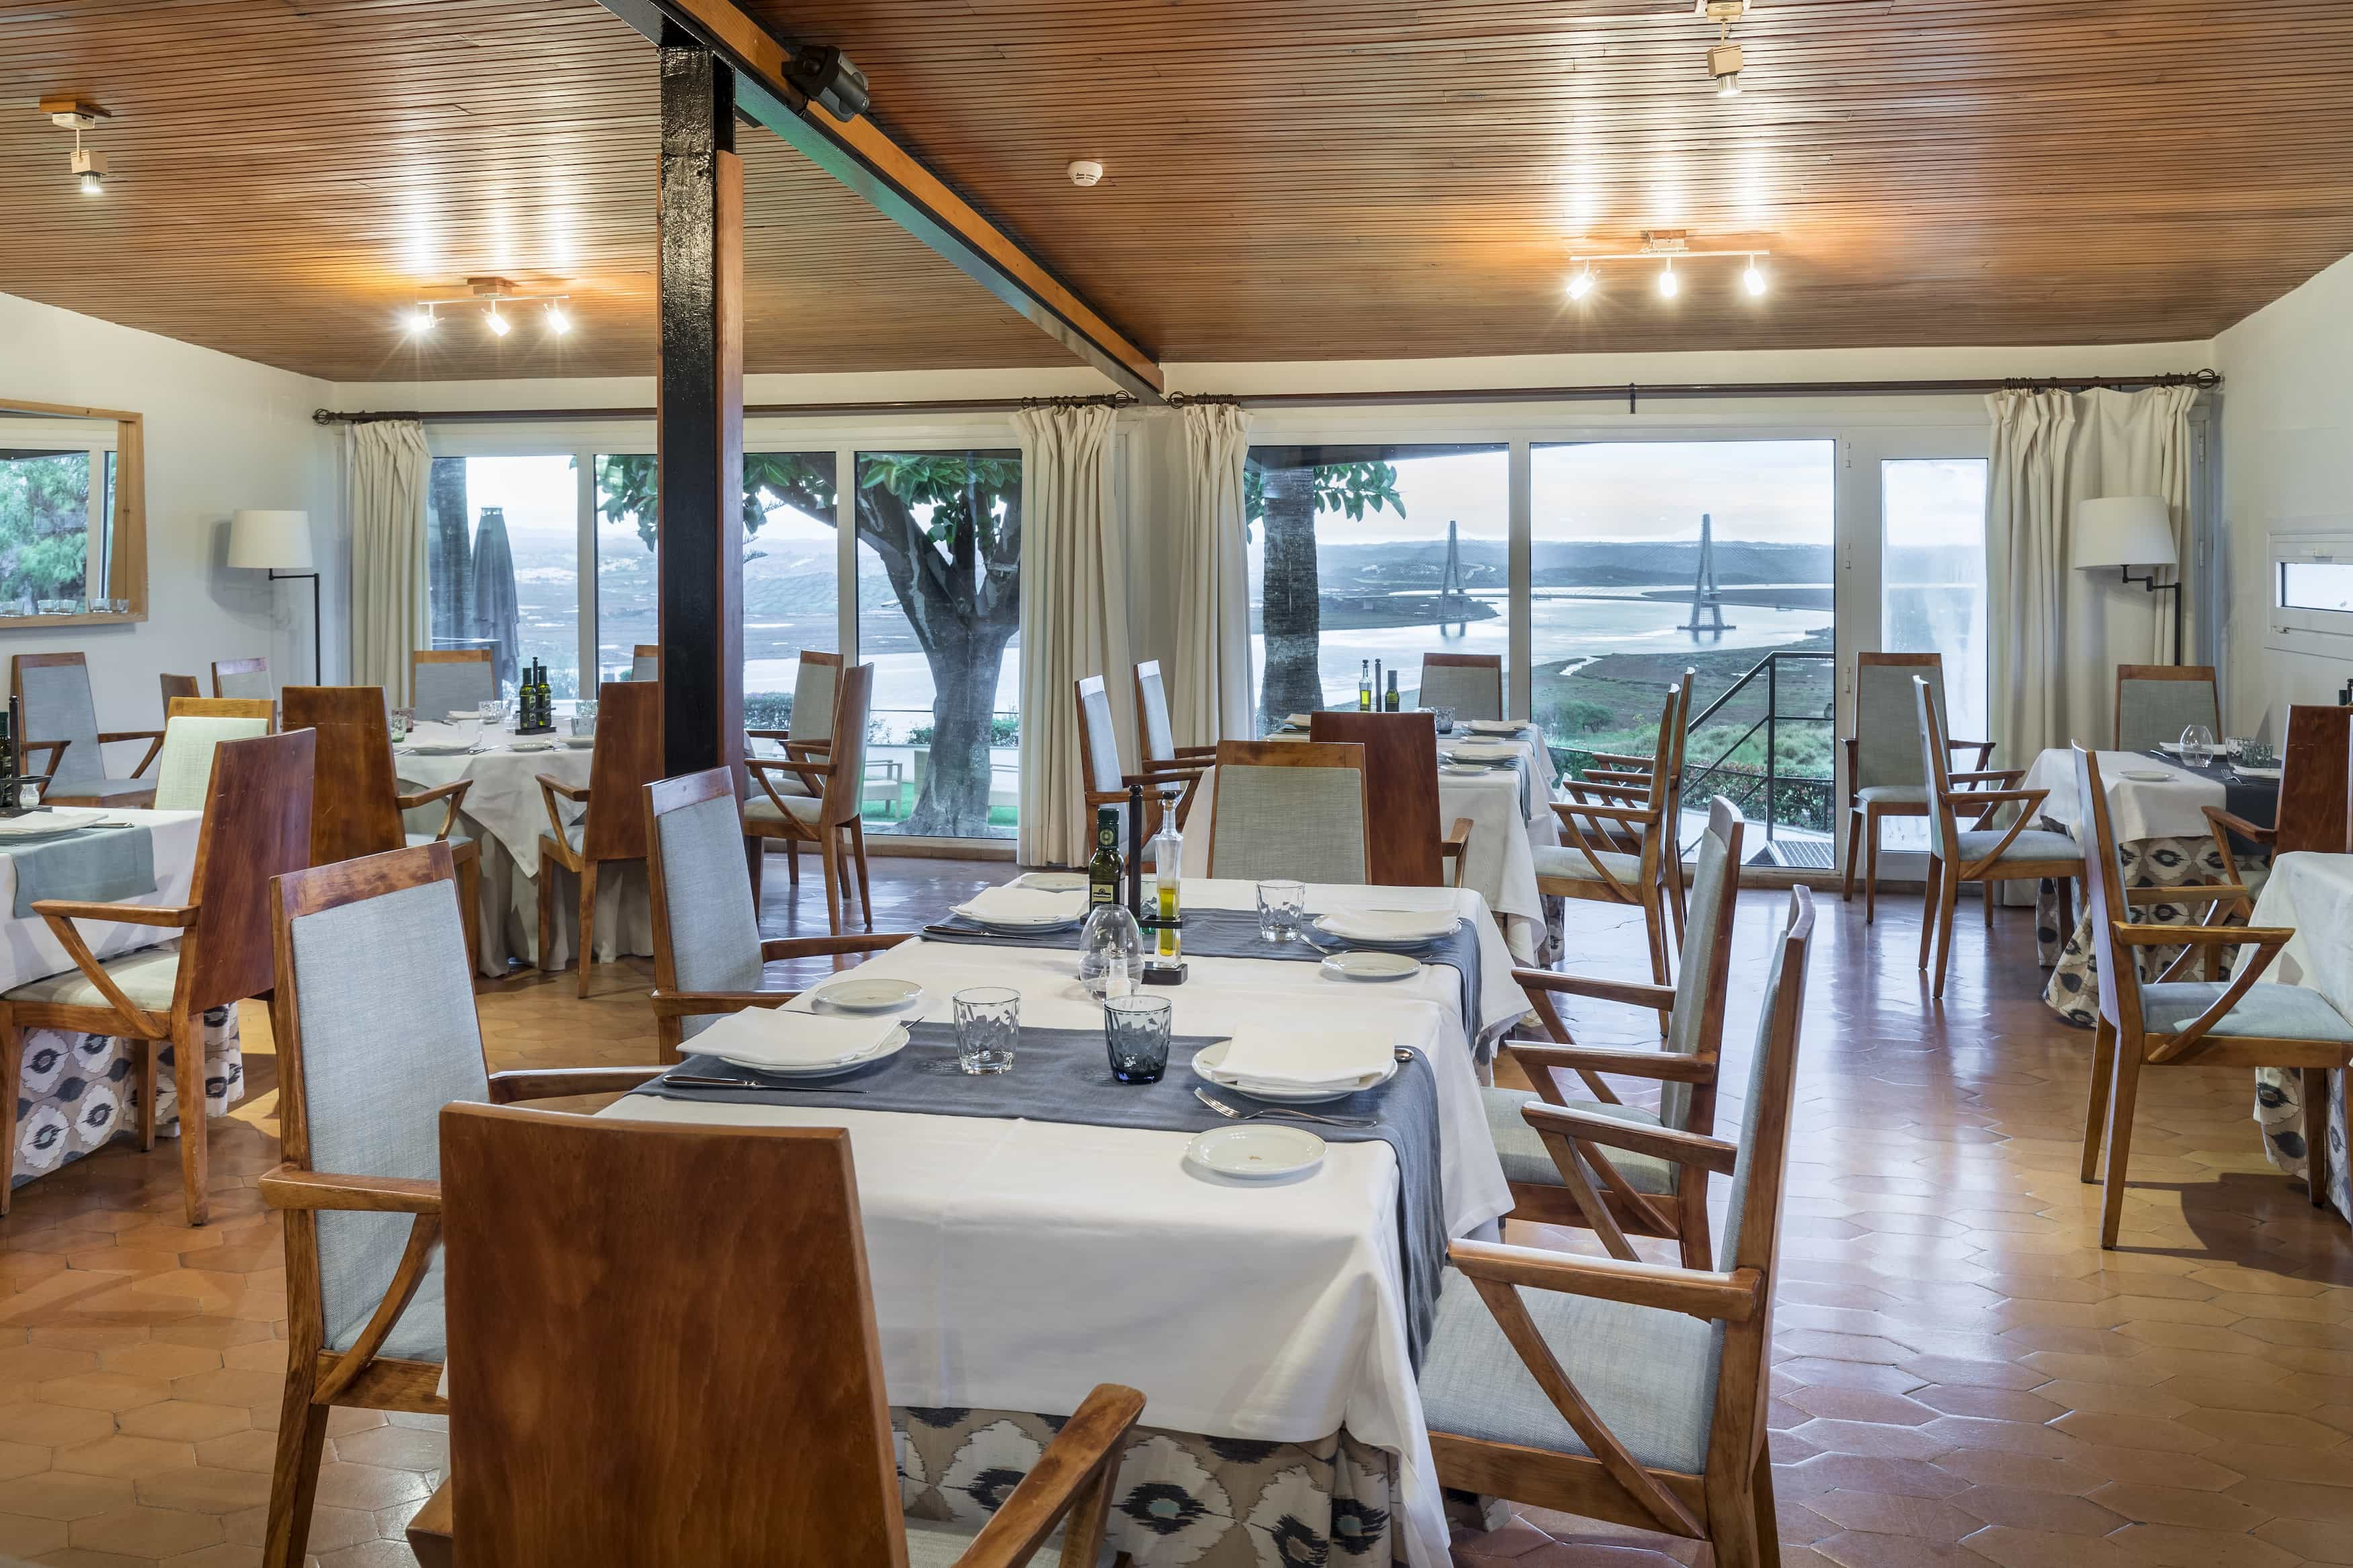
[584, 716]
[403, 721]
[987, 1026]
[2197, 745]
[1280, 906]
[1136, 1033]
[1445, 718]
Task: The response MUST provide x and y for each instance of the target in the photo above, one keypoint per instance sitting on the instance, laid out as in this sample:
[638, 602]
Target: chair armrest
[1623, 760]
[1077, 1468]
[1633, 992]
[170, 916]
[550, 1083]
[1666, 1066]
[454, 792]
[1976, 797]
[1992, 775]
[1661, 1142]
[787, 766]
[1210, 752]
[1565, 809]
[154, 739]
[576, 794]
[780, 947]
[691, 1003]
[2201, 936]
[1700, 1294]
[2187, 893]
[291, 1188]
[2217, 816]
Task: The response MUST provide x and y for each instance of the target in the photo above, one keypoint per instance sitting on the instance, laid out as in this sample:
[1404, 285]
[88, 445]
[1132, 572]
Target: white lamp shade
[261, 539]
[2124, 530]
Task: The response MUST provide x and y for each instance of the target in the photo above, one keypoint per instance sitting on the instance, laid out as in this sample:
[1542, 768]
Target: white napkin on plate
[1310, 1059]
[1298, 720]
[766, 1037]
[1484, 751]
[1390, 925]
[1023, 906]
[1495, 726]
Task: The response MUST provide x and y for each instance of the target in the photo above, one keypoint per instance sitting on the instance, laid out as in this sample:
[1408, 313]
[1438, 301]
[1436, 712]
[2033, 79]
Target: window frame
[98, 439]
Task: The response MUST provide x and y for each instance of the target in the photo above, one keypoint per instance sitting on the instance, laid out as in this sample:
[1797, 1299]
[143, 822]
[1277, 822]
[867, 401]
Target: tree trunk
[450, 565]
[964, 668]
[1293, 618]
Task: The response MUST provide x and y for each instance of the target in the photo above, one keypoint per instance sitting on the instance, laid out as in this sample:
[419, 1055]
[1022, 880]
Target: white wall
[221, 433]
[2287, 452]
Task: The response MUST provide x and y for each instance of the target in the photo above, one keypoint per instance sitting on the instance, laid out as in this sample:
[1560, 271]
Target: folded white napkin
[766, 1037]
[1484, 751]
[1312, 1058]
[1390, 925]
[1023, 906]
[1299, 720]
[1495, 726]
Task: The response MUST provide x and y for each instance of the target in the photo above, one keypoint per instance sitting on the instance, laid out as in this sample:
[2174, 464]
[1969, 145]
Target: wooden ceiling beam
[863, 157]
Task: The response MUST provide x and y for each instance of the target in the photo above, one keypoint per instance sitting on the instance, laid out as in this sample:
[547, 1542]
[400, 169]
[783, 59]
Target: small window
[2316, 585]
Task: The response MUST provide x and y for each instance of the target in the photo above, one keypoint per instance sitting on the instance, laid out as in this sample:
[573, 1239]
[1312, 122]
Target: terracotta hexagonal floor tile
[2180, 1506]
[184, 1420]
[2014, 1547]
[249, 1450]
[55, 1495]
[123, 1456]
[2051, 1512]
[108, 1391]
[1889, 1513]
[2168, 1546]
[228, 1554]
[22, 1459]
[162, 1361]
[395, 1447]
[140, 1532]
[21, 1535]
[54, 1424]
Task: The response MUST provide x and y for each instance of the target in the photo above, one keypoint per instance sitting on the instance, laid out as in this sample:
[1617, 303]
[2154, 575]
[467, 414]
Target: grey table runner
[1064, 1075]
[1233, 934]
[2250, 800]
[98, 865]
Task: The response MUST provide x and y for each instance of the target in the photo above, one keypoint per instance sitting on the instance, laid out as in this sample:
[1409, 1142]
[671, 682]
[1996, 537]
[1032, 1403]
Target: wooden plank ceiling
[1288, 179]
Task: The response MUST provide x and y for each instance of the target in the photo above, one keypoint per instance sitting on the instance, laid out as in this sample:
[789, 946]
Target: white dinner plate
[892, 1043]
[1371, 966]
[580, 743]
[1495, 726]
[440, 749]
[1464, 770]
[50, 824]
[1053, 881]
[464, 716]
[1205, 1068]
[1389, 928]
[2145, 777]
[1256, 1151]
[877, 995]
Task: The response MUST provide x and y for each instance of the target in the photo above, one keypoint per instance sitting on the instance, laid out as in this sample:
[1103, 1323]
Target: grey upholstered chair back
[386, 1001]
[1473, 691]
[645, 667]
[1305, 823]
[714, 928]
[2150, 712]
[1714, 879]
[1102, 737]
[1752, 1104]
[450, 686]
[815, 686]
[1887, 722]
[1160, 737]
[244, 683]
[57, 707]
[183, 772]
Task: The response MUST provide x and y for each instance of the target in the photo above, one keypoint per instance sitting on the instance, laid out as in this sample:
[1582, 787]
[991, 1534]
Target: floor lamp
[280, 543]
[2125, 531]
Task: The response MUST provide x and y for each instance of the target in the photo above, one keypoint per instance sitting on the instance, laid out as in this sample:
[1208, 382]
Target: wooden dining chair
[671, 1426]
[1470, 683]
[1403, 847]
[1619, 839]
[1155, 734]
[1102, 781]
[2241, 1022]
[446, 681]
[645, 662]
[1979, 853]
[1291, 808]
[709, 955]
[180, 686]
[358, 808]
[60, 719]
[829, 819]
[1626, 1391]
[243, 678]
[2315, 793]
[193, 728]
[817, 686]
[1883, 758]
[612, 824]
[2155, 702]
[1558, 1172]
[1618, 778]
[374, 1027]
[257, 824]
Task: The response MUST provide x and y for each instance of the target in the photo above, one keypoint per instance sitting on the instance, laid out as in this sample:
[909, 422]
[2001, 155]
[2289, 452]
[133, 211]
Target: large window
[54, 535]
[939, 617]
[502, 562]
[1358, 553]
[1932, 576]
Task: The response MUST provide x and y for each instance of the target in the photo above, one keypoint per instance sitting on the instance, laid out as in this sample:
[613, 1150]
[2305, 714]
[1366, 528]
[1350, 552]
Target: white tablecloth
[505, 813]
[1016, 1264]
[28, 949]
[2313, 893]
[2173, 808]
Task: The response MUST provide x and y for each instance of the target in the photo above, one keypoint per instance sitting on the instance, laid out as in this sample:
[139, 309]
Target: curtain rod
[1632, 392]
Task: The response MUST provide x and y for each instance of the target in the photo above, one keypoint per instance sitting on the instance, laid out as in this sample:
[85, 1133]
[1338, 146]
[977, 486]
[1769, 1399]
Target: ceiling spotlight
[87, 166]
[1581, 284]
[557, 322]
[825, 75]
[1724, 64]
[1752, 280]
[1669, 285]
[90, 172]
[420, 321]
[500, 326]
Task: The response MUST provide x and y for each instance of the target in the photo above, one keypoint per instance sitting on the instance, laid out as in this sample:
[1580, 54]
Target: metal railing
[1743, 782]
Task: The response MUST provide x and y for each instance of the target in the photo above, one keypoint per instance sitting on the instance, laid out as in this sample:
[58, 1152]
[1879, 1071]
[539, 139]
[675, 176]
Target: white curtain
[1073, 619]
[2059, 633]
[390, 470]
[1210, 678]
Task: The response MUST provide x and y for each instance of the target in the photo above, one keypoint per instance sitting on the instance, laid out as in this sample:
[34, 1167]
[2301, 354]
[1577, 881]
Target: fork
[1232, 1114]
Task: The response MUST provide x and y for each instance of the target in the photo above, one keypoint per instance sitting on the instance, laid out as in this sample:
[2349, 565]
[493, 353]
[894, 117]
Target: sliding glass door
[502, 562]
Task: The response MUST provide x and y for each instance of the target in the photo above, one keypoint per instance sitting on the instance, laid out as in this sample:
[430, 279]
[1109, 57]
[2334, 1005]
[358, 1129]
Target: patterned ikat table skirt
[79, 1091]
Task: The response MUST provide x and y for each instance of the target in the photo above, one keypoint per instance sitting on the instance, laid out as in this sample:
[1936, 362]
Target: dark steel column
[699, 420]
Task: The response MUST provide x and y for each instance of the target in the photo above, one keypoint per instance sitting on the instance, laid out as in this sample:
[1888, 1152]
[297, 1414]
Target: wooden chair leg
[2315, 1134]
[1853, 851]
[12, 1082]
[828, 854]
[2103, 1067]
[1731, 1529]
[756, 861]
[588, 922]
[670, 1040]
[865, 894]
[1989, 890]
[2125, 1090]
[1654, 926]
[468, 856]
[1927, 906]
[151, 1056]
[195, 1150]
[1692, 1237]
[547, 870]
[1949, 897]
[294, 1478]
[1873, 821]
[1760, 1498]
[793, 861]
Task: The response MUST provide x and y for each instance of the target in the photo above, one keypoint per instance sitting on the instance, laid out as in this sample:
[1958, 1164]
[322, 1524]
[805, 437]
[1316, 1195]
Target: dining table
[1509, 807]
[505, 813]
[76, 1091]
[2311, 894]
[1019, 1259]
[2157, 811]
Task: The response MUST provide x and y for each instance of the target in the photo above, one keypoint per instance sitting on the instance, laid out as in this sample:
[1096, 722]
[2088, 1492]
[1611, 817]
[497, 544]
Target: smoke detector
[1085, 172]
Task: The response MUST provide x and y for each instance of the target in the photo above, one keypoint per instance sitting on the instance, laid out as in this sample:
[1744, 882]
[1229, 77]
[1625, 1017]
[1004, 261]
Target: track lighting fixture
[1665, 245]
[1723, 58]
[1668, 287]
[1580, 283]
[490, 293]
[86, 165]
[1752, 280]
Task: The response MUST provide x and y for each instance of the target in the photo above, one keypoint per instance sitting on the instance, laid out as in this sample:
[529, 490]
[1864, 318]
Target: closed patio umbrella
[497, 615]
